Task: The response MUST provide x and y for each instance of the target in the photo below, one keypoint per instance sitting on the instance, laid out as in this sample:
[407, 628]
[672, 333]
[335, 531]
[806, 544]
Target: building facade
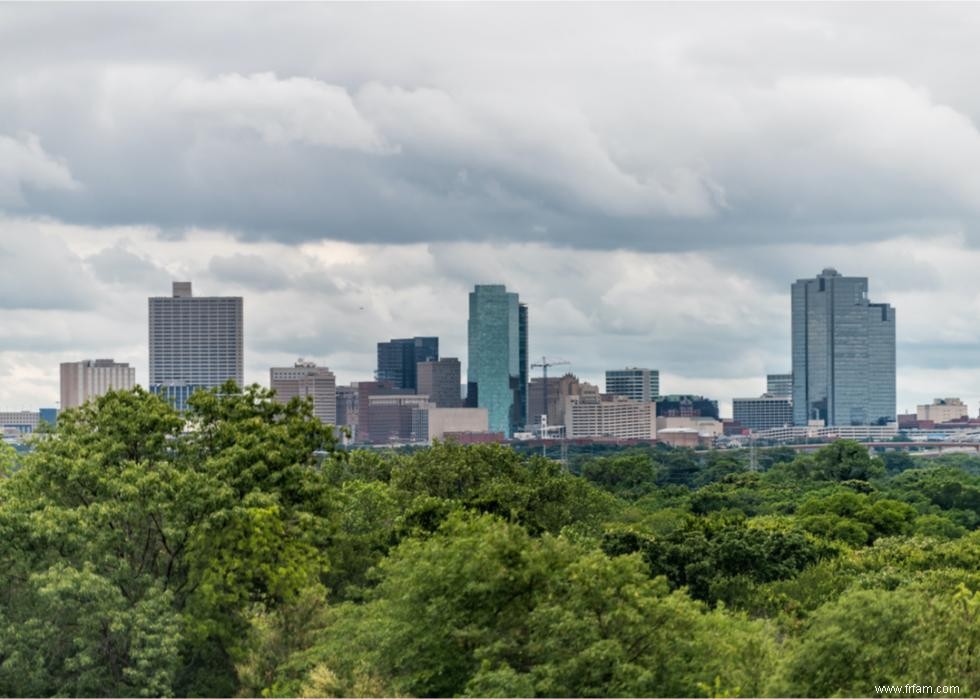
[195, 343]
[843, 353]
[559, 388]
[590, 414]
[634, 383]
[307, 380]
[91, 378]
[397, 359]
[686, 405]
[779, 385]
[763, 413]
[396, 419]
[456, 421]
[439, 379]
[497, 369]
[942, 410]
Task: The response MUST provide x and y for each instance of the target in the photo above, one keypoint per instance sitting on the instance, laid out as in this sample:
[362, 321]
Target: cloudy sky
[650, 179]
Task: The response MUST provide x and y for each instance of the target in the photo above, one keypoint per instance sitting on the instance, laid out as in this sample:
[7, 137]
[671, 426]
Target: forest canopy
[238, 550]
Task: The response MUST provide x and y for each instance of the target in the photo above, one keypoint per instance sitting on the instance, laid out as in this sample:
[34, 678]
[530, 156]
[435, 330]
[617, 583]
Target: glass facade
[397, 359]
[497, 369]
[635, 383]
[843, 353]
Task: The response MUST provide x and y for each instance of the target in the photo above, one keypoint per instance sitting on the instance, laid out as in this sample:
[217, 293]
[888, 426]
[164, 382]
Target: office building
[395, 419]
[368, 427]
[763, 413]
[454, 422]
[497, 370]
[843, 353]
[942, 410]
[195, 343]
[24, 422]
[347, 407]
[439, 380]
[685, 405]
[634, 383]
[591, 414]
[779, 385]
[91, 378]
[306, 380]
[397, 359]
[559, 388]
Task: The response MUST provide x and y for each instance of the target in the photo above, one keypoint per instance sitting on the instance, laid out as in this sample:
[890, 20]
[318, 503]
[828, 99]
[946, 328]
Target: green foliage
[234, 550]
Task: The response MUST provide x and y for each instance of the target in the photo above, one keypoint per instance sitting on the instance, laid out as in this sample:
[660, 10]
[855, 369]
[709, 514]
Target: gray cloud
[650, 178]
[650, 128]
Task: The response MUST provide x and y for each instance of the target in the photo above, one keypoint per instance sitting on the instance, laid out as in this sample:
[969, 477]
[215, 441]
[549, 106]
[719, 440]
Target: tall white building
[195, 342]
[305, 379]
[91, 378]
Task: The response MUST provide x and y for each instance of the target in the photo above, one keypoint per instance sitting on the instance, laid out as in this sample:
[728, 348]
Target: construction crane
[543, 365]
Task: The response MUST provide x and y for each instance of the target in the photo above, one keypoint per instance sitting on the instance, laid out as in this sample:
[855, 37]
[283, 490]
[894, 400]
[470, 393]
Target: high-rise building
[635, 383]
[843, 353]
[347, 407]
[305, 379]
[497, 370]
[397, 359]
[195, 343]
[91, 378]
[439, 380]
[779, 385]
[763, 413]
[559, 388]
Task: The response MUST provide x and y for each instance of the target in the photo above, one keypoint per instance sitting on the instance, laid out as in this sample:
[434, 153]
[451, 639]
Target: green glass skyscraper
[497, 370]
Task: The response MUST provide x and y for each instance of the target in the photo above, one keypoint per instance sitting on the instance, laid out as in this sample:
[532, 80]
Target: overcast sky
[649, 178]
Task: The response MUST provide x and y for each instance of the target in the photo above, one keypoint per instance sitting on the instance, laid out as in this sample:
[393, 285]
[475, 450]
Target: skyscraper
[307, 380]
[195, 342]
[638, 384]
[397, 359]
[843, 352]
[439, 380]
[91, 378]
[497, 370]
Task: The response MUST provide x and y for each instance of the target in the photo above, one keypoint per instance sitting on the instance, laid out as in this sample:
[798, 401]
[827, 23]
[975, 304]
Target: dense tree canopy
[237, 550]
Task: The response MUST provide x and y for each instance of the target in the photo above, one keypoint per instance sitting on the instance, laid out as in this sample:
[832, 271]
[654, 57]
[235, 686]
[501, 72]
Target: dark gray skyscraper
[497, 370]
[195, 342]
[843, 352]
[439, 379]
[397, 359]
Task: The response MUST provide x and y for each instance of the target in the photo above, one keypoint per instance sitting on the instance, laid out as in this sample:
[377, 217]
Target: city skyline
[725, 401]
[343, 192]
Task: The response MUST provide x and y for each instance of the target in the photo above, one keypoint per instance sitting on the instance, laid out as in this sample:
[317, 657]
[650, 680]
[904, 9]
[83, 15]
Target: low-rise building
[591, 414]
[449, 421]
[942, 410]
[705, 426]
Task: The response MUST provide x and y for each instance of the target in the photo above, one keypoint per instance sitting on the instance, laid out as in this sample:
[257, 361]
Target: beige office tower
[306, 379]
[91, 378]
